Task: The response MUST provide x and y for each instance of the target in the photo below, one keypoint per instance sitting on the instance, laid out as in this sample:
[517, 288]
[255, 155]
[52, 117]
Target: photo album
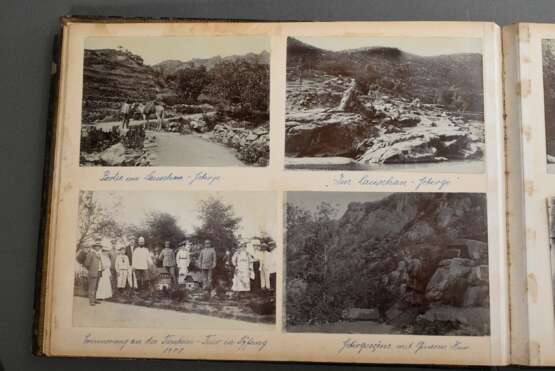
[355, 192]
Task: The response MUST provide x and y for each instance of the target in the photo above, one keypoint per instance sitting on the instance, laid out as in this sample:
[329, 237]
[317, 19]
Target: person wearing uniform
[126, 114]
[141, 263]
[183, 260]
[207, 263]
[167, 256]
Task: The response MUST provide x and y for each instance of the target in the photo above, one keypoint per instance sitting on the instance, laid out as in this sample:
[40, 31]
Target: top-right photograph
[385, 103]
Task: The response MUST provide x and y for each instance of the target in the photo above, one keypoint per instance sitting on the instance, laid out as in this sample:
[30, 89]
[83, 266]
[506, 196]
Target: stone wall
[252, 145]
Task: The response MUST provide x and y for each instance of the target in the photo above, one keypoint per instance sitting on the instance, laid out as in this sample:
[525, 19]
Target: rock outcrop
[383, 106]
[252, 146]
[421, 262]
[380, 130]
[326, 133]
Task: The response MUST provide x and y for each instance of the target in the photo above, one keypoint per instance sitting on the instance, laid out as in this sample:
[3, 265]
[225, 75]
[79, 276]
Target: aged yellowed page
[515, 198]
[532, 95]
[319, 192]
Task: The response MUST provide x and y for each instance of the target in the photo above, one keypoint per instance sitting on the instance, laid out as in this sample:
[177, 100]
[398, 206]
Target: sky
[424, 46]
[257, 209]
[156, 49]
[340, 200]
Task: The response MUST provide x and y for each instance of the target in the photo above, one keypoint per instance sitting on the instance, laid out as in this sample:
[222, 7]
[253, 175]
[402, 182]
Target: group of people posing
[113, 270]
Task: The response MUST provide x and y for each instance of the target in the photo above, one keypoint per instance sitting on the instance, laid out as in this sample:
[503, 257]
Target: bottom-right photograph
[386, 263]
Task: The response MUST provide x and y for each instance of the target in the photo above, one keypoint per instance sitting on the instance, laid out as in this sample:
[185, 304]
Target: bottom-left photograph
[199, 260]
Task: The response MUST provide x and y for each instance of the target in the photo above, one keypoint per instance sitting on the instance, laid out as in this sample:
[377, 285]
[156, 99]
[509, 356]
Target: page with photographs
[530, 94]
[313, 192]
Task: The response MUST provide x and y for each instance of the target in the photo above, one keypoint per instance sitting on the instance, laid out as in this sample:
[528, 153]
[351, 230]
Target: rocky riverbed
[381, 130]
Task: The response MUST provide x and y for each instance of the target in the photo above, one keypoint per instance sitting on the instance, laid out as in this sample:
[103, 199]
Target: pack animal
[152, 108]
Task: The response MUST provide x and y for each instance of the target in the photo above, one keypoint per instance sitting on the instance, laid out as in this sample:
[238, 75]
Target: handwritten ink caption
[414, 347]
[173, 344]
[420, 183]
[198, 178]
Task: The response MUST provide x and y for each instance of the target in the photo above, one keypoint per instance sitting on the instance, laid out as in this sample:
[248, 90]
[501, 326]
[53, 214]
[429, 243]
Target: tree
[191, 81]
[310, 241]
[94, 220]
[160, 227]
[218, 224]
[242, 83]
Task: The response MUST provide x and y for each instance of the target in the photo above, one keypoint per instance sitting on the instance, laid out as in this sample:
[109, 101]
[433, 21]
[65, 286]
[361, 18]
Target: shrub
[191, 81]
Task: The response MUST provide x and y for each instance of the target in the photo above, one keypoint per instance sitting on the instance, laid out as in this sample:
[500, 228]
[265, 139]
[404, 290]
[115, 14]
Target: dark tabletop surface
[27, 29]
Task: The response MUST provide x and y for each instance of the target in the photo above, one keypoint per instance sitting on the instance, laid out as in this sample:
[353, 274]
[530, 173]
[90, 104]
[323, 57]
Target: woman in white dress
[104, 283]
[242, 262]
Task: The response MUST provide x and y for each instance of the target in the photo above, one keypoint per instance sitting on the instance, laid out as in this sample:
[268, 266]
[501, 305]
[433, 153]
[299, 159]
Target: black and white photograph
[551, 226]
[387, 263]
[176, 101]
[548, 66]
[194, 260]
[385, 103]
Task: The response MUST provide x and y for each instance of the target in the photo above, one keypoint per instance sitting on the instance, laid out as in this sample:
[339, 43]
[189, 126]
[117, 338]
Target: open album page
[531, 113]
[318, 192]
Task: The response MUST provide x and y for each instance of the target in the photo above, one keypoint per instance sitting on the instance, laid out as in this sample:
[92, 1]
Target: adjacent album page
[317, 192]
[530, 95]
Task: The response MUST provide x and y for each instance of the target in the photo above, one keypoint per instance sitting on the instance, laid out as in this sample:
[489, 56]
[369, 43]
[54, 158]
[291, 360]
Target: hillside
[396, 71]
[360, 108]
[421, 262]
[171, 67]
[109, 77]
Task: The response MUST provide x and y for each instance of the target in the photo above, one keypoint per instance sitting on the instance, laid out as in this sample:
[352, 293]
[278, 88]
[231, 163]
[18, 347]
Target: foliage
[191, 81]
[213, 120]
[94, 220]
[134, 137]
[159, 227]
[452, 98]
[310, 239]
[241, 83]
[218, 224]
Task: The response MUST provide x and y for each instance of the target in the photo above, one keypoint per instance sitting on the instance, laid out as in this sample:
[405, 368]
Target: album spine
[38, 343]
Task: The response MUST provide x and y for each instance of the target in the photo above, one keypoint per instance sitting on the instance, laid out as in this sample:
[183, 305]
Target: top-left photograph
[176, 101]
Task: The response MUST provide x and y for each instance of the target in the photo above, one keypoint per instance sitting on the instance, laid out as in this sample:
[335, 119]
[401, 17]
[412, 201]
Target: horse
[152, 108]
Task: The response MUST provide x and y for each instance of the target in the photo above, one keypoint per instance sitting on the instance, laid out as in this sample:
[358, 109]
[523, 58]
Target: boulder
[451, 253]
[476, 296]
[479, 275]
[361, 314]
[114, 155]
[199, 126]
[251, 137]
[321, 133]
[296, 290]
[449, 281]
[412, 150]
[476, 250]
[475, 320]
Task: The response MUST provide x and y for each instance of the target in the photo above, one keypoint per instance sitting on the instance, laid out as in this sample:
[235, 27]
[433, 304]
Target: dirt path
[174, 149]
[125, 315]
